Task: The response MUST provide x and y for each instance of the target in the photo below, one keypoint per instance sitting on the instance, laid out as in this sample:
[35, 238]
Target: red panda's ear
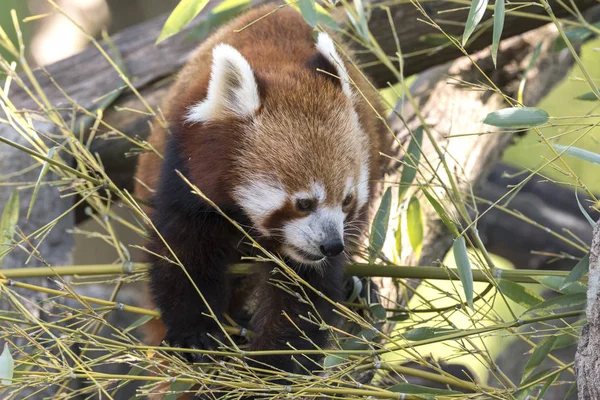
[326, 47]
[232, 89]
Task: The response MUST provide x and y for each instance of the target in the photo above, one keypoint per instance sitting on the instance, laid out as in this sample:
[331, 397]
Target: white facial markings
[259, 198]
[308, 233]
[232, 88]
[349, 186]
[362, 188]
[326, 47]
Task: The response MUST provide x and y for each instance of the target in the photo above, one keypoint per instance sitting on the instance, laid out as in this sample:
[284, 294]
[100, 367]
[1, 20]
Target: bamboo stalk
[364, 270]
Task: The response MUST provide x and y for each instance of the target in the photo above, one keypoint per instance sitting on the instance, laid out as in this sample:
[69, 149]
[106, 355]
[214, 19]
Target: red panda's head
[302, 159]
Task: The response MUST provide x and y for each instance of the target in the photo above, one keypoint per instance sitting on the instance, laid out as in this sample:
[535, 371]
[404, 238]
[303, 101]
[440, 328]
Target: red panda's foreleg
[274, 331]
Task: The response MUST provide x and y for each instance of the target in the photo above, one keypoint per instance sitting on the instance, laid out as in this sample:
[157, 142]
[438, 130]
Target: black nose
[332, 248]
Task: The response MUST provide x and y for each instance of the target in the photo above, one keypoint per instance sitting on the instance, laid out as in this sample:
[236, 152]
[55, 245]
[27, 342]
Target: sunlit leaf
[223, 12]
[409, 170]
[182, 15]
[579, 153]
[476, 12]
[425, 333]
[580, 269]
[414, 222]
[380, 225]
[517, 117]
[519, 294]
[441, 212]
[7, 366]
[498, 27]
[538, 355]
[464, 268]
[564, 301]
[39, 180]
[534, 57]
[325, 19]
[308, 11]
[8, 223]
[555, 283]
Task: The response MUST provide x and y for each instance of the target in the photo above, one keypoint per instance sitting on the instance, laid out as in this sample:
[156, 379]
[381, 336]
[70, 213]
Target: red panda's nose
[332, 247]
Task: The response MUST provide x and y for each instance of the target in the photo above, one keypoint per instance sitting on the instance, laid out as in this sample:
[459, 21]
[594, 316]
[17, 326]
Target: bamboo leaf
[584, 212]
[589, 96]
[325, 19]
[441, 212]
[398, 237]
[8, 223]
[378, 311]
[43, 172]
[425, 333]
[534, 57]
[223, 12]
[139, 322]
[357, 287]
[308, 11]
[566, 300]
[549, 382]
[464, 268]
[580, 269]
[182, 15]
[539, 354]
[409, 171]
[517, 117]
[498, 27]
[421, 391]
[7, 366]
[475, 14]
[519, 294]
[579, 153]
[380, 225]
[334, 359]
[414, 220]
[555, 283]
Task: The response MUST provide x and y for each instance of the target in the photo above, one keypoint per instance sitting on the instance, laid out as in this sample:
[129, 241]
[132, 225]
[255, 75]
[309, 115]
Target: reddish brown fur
[276, 59]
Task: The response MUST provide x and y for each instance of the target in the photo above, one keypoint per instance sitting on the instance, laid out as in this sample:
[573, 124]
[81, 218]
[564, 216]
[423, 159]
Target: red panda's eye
[347, 200]
[305, 204]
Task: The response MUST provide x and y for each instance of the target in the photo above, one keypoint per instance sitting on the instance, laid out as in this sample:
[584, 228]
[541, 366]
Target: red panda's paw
[197, 339]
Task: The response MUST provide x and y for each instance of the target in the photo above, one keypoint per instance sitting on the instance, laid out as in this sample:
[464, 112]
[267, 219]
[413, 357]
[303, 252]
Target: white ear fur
[326, 47]
[232, 88]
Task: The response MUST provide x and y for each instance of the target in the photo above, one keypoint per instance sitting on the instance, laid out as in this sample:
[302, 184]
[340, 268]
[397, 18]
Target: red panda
[269, 124]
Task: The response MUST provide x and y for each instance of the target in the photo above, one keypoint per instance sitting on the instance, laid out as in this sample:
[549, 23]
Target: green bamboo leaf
[8, 223]
[517, 117]
[534, 57]
[539, 354]
[334, 359]
[549, 382]
[177, 389]
[182, 15]
[566, 300]
[399, 317]
[223, 12]
[584, 212]
[565, 340]
[434, 39]
[575, 37]
[325, 19]
[398, 237]
[441, 212]
[43, 172]
[308, 11]
[425, 333]
[378, 311]
[519, 294]
[476, 12]
[139, 322]
[498, 27]
[7, 366]
[464, 268]
[580, 269]
[421, 391]
[571, 390]
[414, 221]
[579, 153]
[380, 225]
[589, 96]
[555, 283]
[357, 287]
[526, 393]
[409, 171]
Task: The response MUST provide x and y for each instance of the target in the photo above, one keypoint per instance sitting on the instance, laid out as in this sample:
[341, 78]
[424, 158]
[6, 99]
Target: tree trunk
[587, 358]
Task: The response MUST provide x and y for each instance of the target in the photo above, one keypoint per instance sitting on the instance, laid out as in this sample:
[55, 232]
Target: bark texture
[587, 358]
